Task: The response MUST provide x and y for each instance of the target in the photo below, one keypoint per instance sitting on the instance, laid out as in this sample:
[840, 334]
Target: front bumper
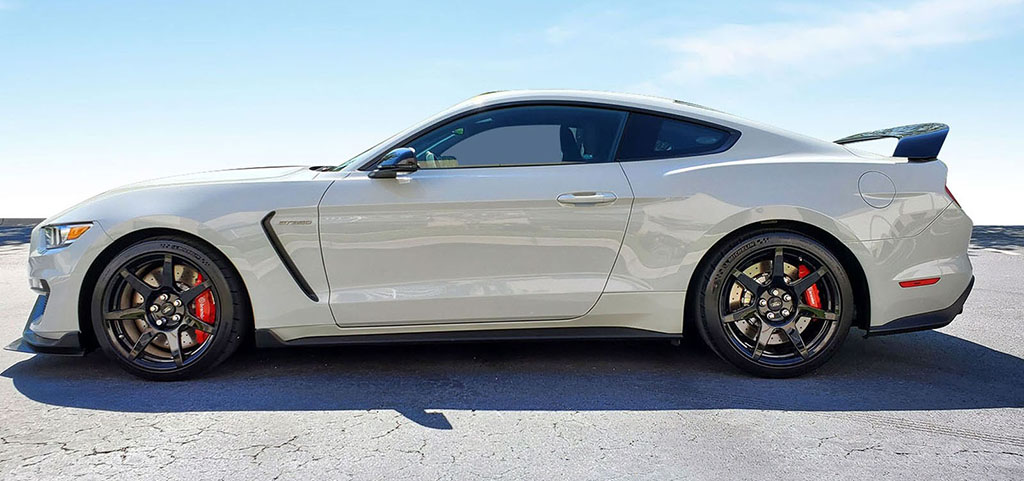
[58, 275]
[67, 344]
[925, 321]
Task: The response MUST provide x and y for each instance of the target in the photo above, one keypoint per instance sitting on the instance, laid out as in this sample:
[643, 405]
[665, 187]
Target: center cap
[776, 305]
[166, 311]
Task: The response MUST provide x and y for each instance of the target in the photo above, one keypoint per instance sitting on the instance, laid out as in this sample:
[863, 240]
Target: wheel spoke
[193, 292]
[740, 314]
[145, 290]
[140, 345]
[763, 335]
[167, 273]
[125, 314]
[797, 341]
[747, 282]
[174, 345]
[778, 267]
[198, 324]
[817, 313]
[804, 283]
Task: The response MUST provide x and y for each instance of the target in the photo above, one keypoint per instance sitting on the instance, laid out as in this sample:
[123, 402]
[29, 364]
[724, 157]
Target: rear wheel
[775, 304]
[168, 309]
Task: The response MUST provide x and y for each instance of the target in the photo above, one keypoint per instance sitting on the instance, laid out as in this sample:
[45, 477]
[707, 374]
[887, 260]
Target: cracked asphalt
[940, 404]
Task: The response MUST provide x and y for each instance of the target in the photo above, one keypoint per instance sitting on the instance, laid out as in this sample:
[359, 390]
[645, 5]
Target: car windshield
[368, 154]
[362, 157]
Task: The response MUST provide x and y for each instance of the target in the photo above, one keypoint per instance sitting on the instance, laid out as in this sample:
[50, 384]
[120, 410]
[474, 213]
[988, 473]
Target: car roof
[798, 142]
[756, 139]
[600, 96]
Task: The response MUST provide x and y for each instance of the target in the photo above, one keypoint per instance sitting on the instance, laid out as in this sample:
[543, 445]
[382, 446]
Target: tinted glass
[521, 136]
[650, 137]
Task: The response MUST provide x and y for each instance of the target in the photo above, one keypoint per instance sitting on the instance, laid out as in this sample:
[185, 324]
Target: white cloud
[837, 41]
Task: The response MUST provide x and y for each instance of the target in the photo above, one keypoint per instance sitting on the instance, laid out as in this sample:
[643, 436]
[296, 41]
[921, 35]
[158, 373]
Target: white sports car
[518, 215]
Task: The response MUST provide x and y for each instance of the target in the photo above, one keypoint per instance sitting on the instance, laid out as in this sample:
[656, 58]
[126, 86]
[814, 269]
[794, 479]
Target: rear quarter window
[648, 137]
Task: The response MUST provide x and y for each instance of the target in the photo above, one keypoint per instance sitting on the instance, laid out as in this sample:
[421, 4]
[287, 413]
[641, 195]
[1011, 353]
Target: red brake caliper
[811, 294]
[205, 309]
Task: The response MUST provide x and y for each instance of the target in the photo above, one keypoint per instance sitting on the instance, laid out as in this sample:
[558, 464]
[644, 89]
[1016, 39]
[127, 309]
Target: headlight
[57, 236]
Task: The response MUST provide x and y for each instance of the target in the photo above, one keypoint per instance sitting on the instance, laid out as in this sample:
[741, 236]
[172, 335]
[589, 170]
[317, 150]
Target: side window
[650, 137]
[528, 135]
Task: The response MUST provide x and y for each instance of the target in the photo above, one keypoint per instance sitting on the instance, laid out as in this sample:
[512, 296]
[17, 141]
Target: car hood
[249, 174]
[227, 175]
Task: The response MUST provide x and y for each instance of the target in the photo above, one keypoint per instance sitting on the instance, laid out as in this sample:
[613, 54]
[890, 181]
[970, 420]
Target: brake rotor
[739, 297]
[184, 276]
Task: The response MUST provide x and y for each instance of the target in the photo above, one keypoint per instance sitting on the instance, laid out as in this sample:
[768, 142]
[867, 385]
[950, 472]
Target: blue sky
[96, 94]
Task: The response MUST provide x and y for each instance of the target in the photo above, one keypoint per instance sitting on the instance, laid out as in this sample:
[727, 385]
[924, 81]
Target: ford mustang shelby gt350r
[515, 215]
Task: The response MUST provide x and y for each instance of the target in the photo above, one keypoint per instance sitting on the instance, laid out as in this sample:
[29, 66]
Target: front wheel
[168, 308]
[775, 304]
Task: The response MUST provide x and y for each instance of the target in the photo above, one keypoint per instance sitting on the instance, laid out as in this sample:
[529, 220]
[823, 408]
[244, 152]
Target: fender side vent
[289, 265]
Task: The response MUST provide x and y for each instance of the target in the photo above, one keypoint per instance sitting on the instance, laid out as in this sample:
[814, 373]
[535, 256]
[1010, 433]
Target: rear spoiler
[916, 142]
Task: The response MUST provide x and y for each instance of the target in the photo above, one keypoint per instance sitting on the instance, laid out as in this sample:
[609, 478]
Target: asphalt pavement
[943, 404]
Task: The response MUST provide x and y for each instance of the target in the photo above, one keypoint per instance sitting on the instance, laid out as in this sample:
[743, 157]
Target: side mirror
[399, 160]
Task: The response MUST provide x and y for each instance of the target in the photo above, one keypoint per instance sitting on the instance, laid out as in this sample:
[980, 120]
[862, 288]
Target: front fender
[224, 215]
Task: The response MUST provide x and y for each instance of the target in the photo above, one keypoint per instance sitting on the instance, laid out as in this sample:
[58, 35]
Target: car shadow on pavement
[921, 371]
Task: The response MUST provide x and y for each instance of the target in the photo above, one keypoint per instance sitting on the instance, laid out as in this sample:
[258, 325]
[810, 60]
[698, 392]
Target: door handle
[578, 198]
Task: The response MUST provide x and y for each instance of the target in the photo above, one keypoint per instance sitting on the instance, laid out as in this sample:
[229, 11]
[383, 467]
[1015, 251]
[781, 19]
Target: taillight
[950, 194]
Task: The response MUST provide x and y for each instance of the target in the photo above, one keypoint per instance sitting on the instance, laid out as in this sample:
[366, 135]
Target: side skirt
[267, 338]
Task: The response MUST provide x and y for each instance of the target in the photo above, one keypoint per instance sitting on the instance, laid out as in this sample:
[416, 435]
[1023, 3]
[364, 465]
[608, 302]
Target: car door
[516, 213]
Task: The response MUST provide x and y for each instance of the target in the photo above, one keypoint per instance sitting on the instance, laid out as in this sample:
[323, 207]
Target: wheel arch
[862, 299]
[85, 295]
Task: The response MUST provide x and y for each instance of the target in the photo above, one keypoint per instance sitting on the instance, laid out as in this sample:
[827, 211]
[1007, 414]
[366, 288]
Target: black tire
[739, 307]
[130, 333]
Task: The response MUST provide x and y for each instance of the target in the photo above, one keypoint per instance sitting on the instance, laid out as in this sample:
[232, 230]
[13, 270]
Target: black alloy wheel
[776, 304]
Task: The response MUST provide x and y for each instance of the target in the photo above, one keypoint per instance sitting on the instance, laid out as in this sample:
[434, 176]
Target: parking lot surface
[946, 404]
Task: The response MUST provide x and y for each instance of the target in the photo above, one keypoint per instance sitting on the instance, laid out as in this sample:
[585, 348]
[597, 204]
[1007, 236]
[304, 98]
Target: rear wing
[916, 142]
